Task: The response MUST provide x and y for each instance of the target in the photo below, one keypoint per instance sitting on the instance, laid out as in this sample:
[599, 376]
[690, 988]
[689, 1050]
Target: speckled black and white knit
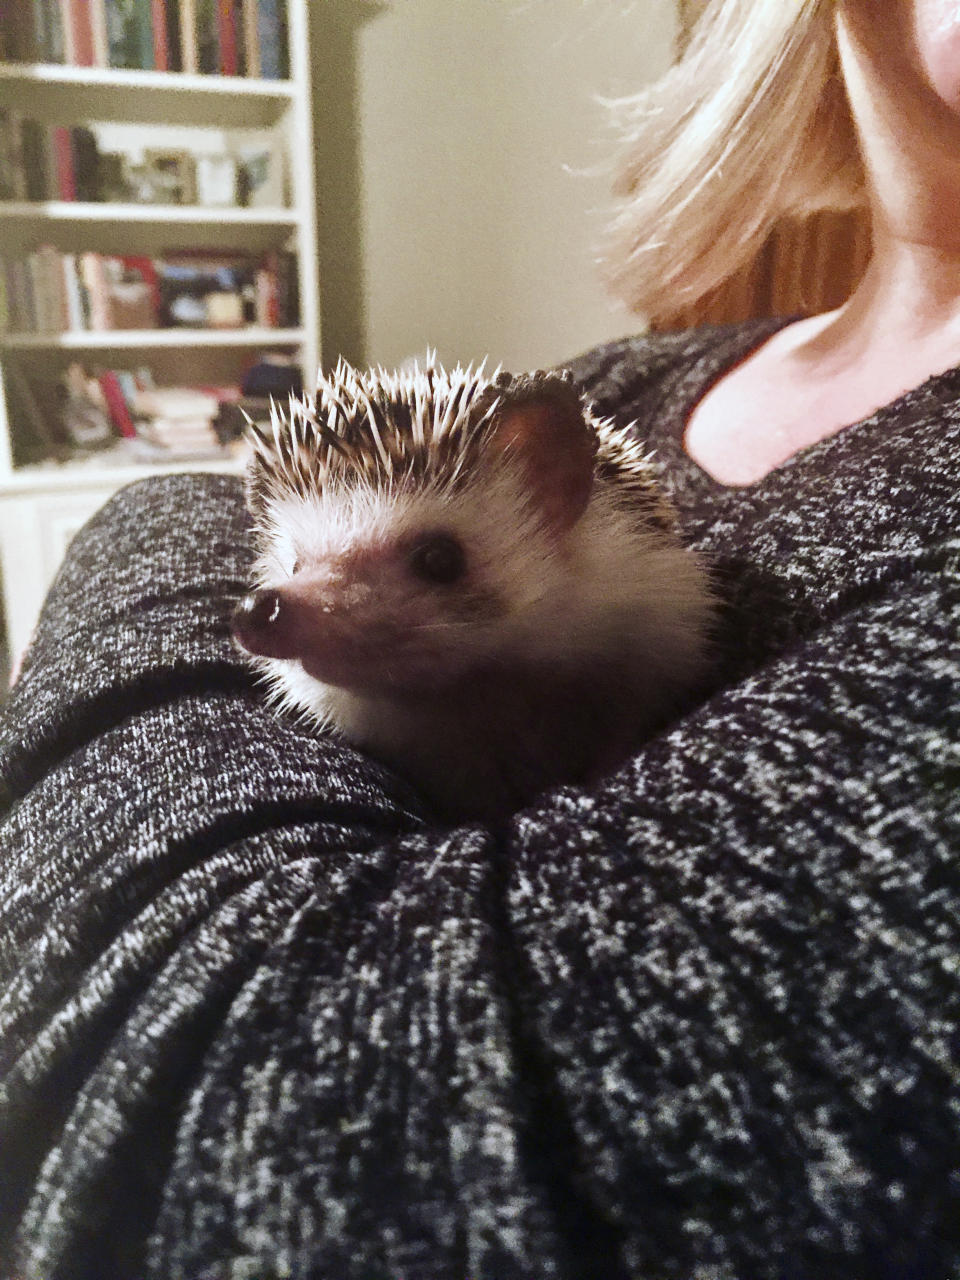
[261, 1018]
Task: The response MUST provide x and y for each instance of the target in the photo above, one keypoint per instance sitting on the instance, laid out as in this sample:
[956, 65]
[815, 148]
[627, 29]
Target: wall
[461, 170]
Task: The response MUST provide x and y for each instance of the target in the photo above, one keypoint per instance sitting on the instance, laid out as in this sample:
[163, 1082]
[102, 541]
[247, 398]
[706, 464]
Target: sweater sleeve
[742, 958]
[251, 1016]
[259, 1018]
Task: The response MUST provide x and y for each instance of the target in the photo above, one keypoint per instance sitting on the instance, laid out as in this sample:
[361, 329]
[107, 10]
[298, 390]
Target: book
[78, 31]
[13, 175]
[18, 31]
[176, 403]
[228, 38]
[48, 31]
[93, 279]
[268, 309]
[272, 40]
[174, 35]
[86, 164]
[98, 32]
[251, 38]
[189, 50]
[63, 154]
[208, 36]
[130, 33]
[161, 46]
[117, 405]
[36, 159]
[75, 315]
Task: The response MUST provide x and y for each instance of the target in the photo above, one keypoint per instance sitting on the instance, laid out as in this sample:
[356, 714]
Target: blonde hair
[751, 125]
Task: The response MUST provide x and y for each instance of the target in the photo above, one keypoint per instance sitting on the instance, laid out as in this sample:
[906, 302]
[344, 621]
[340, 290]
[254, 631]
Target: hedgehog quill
[473, 578]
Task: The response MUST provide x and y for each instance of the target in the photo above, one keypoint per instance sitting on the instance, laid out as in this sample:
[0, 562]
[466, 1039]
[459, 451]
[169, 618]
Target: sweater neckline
[723, 348]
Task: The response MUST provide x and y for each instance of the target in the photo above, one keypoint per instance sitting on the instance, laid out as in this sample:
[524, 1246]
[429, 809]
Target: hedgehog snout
[258, 623]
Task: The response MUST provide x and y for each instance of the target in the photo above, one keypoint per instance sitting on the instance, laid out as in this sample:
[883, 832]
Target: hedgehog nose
[256, 619]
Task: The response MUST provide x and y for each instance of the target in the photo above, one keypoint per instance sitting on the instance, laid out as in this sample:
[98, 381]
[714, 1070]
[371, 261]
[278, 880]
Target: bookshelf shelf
[76, 226]
[151, 339]
[63, 94]
[43, 503]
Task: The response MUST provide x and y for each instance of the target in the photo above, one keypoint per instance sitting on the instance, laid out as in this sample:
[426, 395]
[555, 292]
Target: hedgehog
[473, 578]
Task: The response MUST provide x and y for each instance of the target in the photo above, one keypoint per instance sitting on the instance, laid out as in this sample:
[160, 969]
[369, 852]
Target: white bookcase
[42, 506]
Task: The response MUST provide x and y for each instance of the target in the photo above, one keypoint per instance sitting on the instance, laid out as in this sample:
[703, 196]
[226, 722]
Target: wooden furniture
[41, 506]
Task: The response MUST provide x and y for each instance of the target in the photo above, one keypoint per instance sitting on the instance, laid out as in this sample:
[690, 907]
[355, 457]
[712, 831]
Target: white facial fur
[608, 590]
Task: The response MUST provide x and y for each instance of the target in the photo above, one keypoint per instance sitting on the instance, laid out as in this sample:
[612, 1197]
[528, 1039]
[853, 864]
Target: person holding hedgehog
[264, 1014]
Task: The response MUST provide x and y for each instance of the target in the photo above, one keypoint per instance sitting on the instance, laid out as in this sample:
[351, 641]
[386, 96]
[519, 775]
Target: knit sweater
[262, 1016]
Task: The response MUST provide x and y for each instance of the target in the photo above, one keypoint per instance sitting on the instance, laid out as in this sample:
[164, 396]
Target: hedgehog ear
[546, 430]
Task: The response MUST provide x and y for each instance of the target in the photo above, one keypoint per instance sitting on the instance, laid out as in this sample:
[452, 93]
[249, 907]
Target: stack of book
[175, 421]
[51, 292]
[87, 411]
[219, 37]
[153, 423]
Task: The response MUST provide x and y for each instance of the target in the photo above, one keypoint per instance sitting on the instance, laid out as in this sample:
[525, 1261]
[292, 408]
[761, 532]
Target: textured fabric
[260, 1016]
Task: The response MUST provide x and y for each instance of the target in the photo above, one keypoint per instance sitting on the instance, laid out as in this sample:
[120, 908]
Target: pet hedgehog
[473, 578]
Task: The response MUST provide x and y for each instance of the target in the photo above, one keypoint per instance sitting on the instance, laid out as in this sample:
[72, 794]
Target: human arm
[742, 958]
[258, 1013]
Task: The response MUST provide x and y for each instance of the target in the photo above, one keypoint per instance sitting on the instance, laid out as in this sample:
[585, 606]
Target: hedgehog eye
[438, 558]
[297, 566]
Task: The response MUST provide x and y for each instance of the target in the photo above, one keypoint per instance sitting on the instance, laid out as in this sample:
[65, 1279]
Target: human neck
[909, 298]
[910, 143]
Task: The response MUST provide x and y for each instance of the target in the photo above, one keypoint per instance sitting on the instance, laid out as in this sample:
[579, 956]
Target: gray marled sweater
[260, 1017]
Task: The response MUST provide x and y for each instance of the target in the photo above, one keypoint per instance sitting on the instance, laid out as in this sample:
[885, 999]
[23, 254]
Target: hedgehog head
[416, 528]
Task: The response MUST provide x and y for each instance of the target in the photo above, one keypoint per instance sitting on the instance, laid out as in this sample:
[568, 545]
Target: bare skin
[901, 64]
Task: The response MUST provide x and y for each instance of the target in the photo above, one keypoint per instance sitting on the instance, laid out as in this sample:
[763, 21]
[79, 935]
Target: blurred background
[201, 201]
[464, 171]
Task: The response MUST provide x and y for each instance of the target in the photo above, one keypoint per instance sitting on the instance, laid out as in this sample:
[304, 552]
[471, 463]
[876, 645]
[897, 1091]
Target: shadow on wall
[335, 26]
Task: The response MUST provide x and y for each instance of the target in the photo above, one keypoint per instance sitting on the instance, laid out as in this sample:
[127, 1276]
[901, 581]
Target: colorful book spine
[272, 33]
[189, 49]
[161, 45]
[94, 280]
[86, 163]
[13, 178]
[98, 32]
[120, 414]
[174, 35]
[251, 38]
[78, 32]
[72, 294]
[48, 291]
[228, 38]
[208, 36]
[63, 163]
[130, 33]
[36, 159]
[147, 270]
[48, 31]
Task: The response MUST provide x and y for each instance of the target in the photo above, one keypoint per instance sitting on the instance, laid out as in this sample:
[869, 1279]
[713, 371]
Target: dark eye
[438, 558]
